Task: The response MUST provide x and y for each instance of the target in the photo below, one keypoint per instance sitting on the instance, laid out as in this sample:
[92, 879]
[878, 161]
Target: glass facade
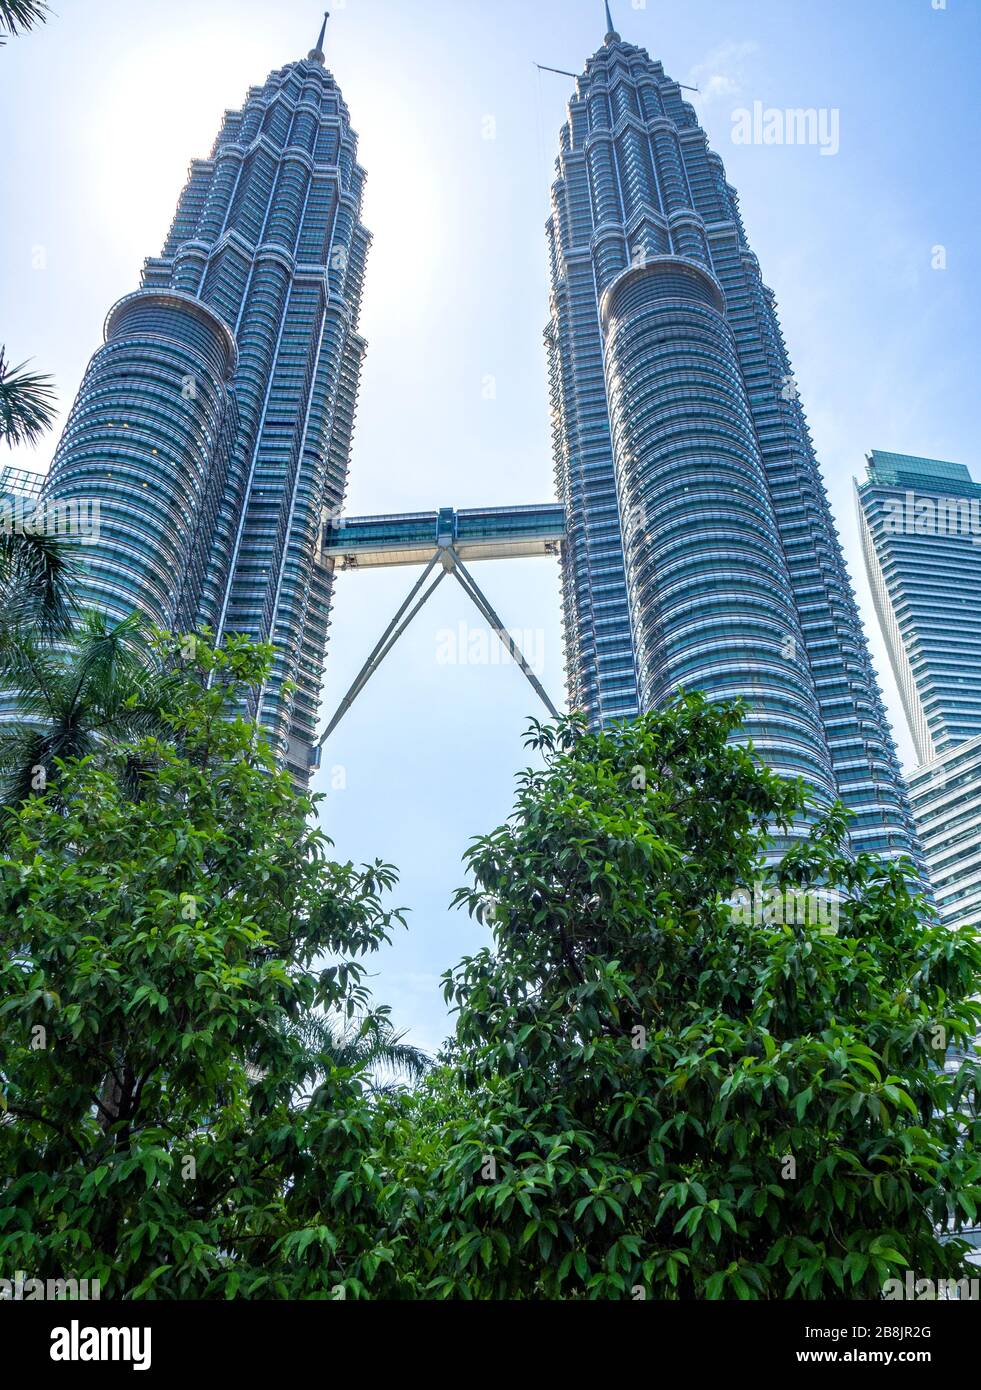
[946, 796]
[19, 483]
[486, 533]
[701, 550]
[214, 425]
[921, 532]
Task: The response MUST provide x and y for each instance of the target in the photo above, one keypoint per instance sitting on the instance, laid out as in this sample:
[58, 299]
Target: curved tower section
[264, 263]
[707, 580]
[701, 550]
[142, 441]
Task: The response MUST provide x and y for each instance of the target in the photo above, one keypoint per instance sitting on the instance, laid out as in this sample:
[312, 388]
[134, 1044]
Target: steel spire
[316, 54]
[611, 34]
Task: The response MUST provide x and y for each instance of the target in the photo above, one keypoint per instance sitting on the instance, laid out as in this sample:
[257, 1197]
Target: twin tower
[214, 426]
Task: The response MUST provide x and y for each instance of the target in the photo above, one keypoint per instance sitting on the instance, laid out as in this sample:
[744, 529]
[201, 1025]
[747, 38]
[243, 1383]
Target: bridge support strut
[450, 562]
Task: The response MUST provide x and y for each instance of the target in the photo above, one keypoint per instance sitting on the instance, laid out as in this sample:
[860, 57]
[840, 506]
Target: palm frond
[22, 752]
[109, 645]
[387, 1052]
[30, 670]
[27, 399]
[106, 652]
[22, 13]
[91, 694]
[369, 1045]
[37, 573]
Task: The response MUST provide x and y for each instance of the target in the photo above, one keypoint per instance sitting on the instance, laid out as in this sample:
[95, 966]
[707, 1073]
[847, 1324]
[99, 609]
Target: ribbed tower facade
[214, 425]
[701, 550]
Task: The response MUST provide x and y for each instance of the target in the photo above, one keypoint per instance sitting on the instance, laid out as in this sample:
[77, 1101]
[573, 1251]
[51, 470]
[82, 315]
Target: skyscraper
[701, 551]
[921, 531]
[214, 425]
[19, 484]
[921, 534]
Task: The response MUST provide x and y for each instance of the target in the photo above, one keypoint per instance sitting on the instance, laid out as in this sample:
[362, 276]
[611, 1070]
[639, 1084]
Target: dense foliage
[168, 1128]
[651, 1091]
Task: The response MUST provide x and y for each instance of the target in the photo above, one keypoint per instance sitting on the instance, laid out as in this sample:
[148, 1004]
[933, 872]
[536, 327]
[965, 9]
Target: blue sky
[103, 109]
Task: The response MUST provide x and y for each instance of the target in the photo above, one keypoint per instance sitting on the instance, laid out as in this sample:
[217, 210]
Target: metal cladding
[701, 551]
[214, 425]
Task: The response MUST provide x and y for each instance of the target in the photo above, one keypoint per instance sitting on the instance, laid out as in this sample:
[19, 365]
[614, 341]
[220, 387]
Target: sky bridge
[444, 542]
[410, 538]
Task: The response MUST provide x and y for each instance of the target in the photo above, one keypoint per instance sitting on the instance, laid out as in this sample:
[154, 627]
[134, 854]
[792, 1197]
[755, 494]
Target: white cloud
[722, 72]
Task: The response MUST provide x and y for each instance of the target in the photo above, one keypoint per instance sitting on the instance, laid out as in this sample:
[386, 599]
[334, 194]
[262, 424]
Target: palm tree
[35, 571]
[369, 1045]
[36, 575]
[82, 696]
[27, 399]
[22, 13]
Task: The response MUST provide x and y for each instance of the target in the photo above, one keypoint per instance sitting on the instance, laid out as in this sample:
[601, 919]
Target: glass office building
[214, 425]
[701, 550]
[921, 532]
[20, 484]
[946, 797]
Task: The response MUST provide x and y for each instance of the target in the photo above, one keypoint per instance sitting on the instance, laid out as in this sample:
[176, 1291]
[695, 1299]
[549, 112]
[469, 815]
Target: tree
[27, 399]
[658, 1091]
[77, 683]
[371, 1044]
[21, 14]
[85, 695]
[36, 572]
[36, 578]
[159, 950]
